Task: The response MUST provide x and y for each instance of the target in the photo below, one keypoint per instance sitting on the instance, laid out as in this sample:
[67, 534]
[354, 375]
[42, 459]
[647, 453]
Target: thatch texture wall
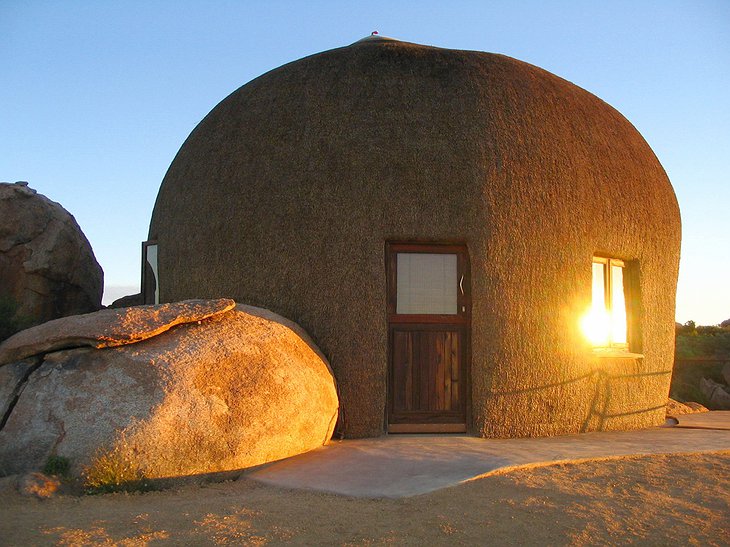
[285, 194]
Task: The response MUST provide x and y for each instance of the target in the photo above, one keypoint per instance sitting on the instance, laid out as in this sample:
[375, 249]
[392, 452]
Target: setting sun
[596, 326]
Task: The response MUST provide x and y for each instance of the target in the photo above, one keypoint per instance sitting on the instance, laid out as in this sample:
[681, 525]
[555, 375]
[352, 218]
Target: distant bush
[698, 342]
[708, 342]
[711, 330]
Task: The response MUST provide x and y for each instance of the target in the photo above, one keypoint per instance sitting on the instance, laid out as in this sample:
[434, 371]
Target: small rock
[696, 407]
[38, 485]
[127, 301]
[675, 408]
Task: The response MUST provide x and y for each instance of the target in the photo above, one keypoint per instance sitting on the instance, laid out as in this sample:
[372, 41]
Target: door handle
[461, 284]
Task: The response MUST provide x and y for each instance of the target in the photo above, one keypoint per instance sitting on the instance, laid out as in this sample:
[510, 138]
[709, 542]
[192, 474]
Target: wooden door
[428, 334]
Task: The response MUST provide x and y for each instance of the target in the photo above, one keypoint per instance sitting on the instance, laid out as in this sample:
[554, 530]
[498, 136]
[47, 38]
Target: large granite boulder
[234, 390]
[47, 267]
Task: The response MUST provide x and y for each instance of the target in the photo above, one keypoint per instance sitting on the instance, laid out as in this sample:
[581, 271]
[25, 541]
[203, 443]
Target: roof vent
[374, 37]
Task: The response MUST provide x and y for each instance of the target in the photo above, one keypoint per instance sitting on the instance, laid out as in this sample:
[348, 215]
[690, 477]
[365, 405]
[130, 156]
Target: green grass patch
[58, 466]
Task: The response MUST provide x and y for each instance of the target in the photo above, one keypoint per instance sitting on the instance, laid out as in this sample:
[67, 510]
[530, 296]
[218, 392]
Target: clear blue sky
[97, 96]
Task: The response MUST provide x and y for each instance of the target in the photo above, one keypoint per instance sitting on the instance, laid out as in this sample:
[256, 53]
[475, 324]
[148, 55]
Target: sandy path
[648, 500]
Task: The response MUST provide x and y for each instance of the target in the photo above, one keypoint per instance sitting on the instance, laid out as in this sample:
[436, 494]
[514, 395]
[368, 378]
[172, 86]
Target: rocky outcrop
[47, 267]
[128, 300]
[696, 407]
[675, 408]
[233, 390]
[108, 328]
[717, 395]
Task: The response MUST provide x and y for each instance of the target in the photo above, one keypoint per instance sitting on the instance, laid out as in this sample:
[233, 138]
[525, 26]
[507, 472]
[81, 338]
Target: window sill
[616, 353]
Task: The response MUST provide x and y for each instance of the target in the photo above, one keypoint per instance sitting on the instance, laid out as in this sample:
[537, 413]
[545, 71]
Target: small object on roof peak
[374, 36]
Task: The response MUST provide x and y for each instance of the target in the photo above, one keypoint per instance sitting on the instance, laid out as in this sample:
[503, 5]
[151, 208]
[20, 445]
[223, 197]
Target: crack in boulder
[17, 376]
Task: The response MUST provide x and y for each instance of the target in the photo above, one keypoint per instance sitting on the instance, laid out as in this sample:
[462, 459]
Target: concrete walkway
[397, 466]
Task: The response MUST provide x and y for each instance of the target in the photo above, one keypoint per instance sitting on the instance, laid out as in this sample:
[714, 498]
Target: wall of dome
[286, 194]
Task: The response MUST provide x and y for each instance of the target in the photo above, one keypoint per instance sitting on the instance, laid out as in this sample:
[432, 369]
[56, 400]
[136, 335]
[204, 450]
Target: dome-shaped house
[475, 244]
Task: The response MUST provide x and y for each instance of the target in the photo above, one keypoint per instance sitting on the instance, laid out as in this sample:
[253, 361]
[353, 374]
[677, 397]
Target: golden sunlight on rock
[233, 390]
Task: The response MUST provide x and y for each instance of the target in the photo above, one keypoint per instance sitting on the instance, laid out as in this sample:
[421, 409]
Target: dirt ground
[680, 500]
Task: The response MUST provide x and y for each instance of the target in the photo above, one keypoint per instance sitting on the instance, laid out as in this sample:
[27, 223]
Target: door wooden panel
[428, 352]
[427, 369]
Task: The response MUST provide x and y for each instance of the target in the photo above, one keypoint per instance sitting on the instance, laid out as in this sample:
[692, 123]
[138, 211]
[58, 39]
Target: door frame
[461, 321]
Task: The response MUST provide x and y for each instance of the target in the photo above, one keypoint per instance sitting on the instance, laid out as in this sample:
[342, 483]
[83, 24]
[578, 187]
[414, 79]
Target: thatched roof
[284, 195]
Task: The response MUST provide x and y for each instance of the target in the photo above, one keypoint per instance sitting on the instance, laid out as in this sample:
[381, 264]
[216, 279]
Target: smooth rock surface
[47, 266]
[235, 390]
[108, 328]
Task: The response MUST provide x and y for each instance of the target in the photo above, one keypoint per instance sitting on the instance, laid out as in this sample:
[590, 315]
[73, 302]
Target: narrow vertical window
[605, 324]
[150, 279]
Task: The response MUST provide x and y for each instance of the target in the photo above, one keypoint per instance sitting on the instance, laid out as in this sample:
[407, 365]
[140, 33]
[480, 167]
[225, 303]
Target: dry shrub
[114, 471]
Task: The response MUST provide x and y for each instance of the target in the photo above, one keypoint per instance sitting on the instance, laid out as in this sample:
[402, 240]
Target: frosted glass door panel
[427, 283]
